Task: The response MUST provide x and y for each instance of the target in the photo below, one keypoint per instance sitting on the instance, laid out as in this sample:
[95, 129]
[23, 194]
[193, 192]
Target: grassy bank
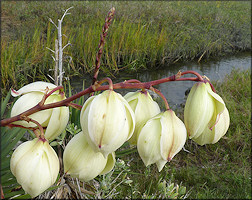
[142, 35]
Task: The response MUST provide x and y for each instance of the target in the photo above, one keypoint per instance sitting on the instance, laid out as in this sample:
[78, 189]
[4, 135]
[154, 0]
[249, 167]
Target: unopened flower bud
[82, 162]
[35, 166]
[161, 138]
[108, 121]
[144, 108]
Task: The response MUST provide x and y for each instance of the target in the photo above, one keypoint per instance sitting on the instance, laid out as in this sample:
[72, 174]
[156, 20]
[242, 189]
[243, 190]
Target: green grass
[143, 35]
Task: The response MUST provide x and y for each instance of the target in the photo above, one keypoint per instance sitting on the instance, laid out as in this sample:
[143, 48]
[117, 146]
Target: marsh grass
[143, 35]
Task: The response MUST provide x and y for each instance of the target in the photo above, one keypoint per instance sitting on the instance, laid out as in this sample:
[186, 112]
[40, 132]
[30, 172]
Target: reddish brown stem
[211, 85]
[23, 117]
[162, 96]
[20, 126]
[47, 94]
[61, 88]
[122, 85]
[74, 105]
[102, 42]
[193, 72]
[107, 80]
[133, 81]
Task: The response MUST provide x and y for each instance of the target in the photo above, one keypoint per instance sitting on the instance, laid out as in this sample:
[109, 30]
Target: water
[215, 70]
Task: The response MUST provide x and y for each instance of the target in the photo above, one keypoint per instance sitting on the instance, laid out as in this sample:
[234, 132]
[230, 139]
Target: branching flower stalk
[130, 84]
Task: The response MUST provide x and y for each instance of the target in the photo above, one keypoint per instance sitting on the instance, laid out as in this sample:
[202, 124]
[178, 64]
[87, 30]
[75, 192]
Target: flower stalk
[130, 84]
[162, 96]
[102, 42]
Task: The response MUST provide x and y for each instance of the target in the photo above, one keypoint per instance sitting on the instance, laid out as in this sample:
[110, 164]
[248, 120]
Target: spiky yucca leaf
[9, 138]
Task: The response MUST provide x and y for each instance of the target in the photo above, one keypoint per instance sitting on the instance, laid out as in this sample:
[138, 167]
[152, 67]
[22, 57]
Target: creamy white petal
[221, 126]
[199, 110]
[219, 106]
[39, 86]
[110, 164]
[37, 168]
[148, 144]
[160, 164]
[144, 108]
[58, 121]
[18, 154]
[108, 121]
[167, 134]
[81, 161]
[26, 102]
[173, 135]
[211, 136]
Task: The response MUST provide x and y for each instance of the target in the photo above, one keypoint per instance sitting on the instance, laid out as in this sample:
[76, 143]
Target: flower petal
[160, 164]
[144, 108]
[58, 121]
[39, 86]
[26, 102]
[148, 144]
[173, 135]
[222, 126]
[110, 164]
[81, 161]
[219, 105]
[199, 110]
[211, 136]
[35, 169]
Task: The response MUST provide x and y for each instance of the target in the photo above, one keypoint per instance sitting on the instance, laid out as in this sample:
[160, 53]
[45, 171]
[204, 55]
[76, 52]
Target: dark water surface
[214, 69]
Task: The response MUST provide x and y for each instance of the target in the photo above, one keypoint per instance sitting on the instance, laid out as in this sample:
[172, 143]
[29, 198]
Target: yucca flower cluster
[34, 163]
[108, 120]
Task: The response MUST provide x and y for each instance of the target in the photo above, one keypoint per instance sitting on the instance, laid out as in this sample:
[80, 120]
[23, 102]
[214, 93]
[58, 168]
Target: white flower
[107, 121]
[54, 120]
[161, 138]
[206, 116]
[82, 162]
[35, 166]
[144, 108]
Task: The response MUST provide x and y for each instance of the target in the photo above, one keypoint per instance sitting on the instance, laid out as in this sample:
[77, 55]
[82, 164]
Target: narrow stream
[215, 69]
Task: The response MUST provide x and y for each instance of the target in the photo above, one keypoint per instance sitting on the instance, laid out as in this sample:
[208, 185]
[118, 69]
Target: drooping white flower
[206, 116]
[161, 138]
[108, 121]
[53, 120]
[82, 162]
[35, 166]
